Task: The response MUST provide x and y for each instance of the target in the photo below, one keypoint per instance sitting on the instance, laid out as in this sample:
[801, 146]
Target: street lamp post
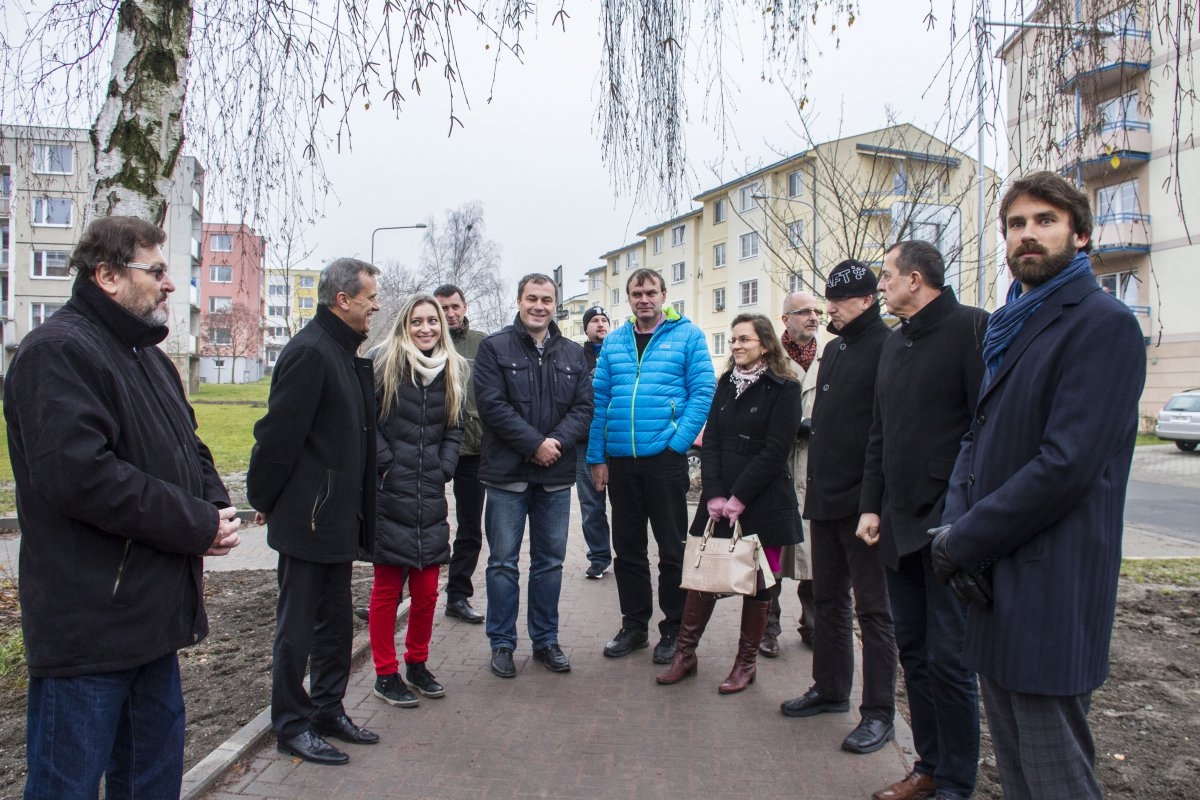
[392, 228]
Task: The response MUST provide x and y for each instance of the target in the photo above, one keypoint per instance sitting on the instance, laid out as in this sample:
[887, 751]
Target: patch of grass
[1162, 571]
[12, 651]
[228, 430]
[237, 392]
[1149, 438]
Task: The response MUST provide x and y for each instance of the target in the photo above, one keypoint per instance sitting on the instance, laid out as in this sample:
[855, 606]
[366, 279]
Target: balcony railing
[1118, 56]
[1121, 233]
[194, 294]
[1093, 153]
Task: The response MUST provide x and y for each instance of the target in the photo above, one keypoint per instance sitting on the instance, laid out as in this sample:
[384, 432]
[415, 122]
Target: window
[719, 211]
[749, 243]
[220, 336]
[795, 183]
[718, 344]
[276, 330]
[220, 242]
[306, 282]
[305, 303]
[678, 305]
[220, 273]
[616, 266]
[677, 272]
[615, 297]
[658, 240]
[272, 356]
[1121, 285]
[219, 305]
[52, 211]
[1123, 20]
[49, 264]
[795, 283]
[3, 249]
[40, 312]
[719, 255]
[900, 182]
[1116, 202]
[276, 311]
[595, 282]
[795, 234]
[746, 195]
[57, 159]
[630, 262]
[1118, 112]
[748, 292]
[719, 299]
[276, 290]
[677, 236]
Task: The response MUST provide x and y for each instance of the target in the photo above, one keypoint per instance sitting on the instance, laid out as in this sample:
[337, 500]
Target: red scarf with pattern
[801, 354]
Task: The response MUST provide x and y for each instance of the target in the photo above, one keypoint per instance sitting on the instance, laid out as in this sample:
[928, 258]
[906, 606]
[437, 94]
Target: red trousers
[381, 622]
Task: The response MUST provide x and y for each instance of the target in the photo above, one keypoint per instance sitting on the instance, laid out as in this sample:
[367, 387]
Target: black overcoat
[747, 454]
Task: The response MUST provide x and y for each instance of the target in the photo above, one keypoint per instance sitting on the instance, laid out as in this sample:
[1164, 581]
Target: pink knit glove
[716, 507]
[733, 509]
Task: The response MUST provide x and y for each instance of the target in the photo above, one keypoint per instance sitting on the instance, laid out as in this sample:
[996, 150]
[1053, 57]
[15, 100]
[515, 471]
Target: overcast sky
[532, 157]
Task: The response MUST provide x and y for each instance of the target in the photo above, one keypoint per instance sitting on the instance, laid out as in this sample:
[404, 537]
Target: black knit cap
[595, 311]
[851, 279]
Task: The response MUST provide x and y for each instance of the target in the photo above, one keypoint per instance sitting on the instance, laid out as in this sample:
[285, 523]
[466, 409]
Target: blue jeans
[504, 518]
[943, 695]
[593, 511]
[126, 727]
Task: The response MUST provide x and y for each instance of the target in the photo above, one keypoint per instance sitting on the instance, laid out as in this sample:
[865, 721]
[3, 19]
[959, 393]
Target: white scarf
[427, 367]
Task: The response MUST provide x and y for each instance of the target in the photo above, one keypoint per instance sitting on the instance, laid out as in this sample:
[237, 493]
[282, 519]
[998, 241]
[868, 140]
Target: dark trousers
[1044, 747]
[841, 563]
[593, 510]
[808, 612]
[313, 620]
[943, 696]
[650, 489]
[468, 533]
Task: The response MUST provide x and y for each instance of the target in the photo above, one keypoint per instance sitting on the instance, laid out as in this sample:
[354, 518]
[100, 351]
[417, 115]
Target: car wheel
[1186, 447]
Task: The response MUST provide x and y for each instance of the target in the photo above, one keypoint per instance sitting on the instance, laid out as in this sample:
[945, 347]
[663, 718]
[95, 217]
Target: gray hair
[342, 275]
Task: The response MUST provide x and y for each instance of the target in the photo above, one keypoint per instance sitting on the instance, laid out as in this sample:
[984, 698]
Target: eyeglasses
[158, 273]
[743, 340]
[803, 312]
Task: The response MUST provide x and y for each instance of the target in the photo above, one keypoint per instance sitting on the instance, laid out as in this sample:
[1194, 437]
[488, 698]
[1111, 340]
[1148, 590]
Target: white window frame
[1122, 285]
[221, 238]
[277, 289]
[37, 265]
[677, 234]
[746, 201]
[214, 273]
[1117, 112]
[719, 211]
[719, 255]
[718, 343]
[748, 293]
[1116, 200]
[38, 314]
[748, 245]
[678, 272]
[718, 299]
[305, 303]
[795, 234]
[306, 282]
[219, 305]
[795, 183]
[615, 297]
[795, 282]
[216, 338]
[658, 243]
[595, 283]
[680, 307]
[43, 158]
[42, 205]
[277, 311]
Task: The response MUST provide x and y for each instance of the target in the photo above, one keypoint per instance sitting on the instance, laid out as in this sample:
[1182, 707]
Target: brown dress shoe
[769, 646]
[915, 786]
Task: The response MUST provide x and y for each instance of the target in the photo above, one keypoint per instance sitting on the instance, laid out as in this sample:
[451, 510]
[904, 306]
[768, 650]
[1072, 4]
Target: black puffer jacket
[417, 453]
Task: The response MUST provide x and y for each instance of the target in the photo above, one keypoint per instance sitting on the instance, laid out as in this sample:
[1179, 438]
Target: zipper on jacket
[421, 470]
[121, 568]
[318, 503]
[637, 381]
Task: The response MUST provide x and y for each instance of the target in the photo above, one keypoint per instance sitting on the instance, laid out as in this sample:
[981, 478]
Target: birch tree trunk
[138, 133]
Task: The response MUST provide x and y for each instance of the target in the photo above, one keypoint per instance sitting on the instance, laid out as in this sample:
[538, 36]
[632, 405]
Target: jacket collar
[551, 333]
[934, 312]
[346, 337]
[859, 325]
[127, 329]
[461, 333]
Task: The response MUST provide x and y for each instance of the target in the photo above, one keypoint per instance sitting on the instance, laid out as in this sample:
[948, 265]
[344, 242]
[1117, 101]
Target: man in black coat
[1037, 493]
[925, 394]
[117, 499]
[535, 400]
[312, 481]
[841, 422]
[592, 501]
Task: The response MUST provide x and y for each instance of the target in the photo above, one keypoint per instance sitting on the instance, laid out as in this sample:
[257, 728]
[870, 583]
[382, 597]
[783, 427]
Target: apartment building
[231, 303]
[779, 229]
[290, 302]
[1110, 121]
[45, 194]
[570, 317]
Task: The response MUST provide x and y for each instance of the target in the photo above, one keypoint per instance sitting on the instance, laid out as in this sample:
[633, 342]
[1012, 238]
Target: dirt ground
[1146, 718]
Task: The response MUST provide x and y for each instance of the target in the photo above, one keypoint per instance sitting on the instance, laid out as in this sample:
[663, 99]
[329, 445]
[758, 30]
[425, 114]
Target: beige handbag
[725, 566]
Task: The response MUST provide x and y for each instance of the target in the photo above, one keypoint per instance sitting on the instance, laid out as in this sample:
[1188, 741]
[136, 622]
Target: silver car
[1179, 420]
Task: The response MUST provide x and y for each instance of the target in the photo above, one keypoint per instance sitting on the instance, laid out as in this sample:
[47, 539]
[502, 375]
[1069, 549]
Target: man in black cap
[591, 501]
[841, 423]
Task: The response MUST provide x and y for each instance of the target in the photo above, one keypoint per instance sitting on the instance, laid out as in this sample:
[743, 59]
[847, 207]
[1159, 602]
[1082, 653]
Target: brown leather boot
[754, 622]
[697, 609]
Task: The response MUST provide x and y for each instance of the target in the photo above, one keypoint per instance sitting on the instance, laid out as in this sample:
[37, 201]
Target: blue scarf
[1006, 322]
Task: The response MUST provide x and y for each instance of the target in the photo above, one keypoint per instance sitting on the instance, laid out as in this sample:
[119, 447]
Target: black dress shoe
[461, 609]
[869, 736]
[769, 646]
[340, 727]
[625, 642]
[664, 651]
[812, 703]
[553, 658]
[312, 747]
[502, 663]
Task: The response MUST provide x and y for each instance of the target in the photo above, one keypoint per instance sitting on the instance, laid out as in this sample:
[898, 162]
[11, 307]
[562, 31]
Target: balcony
[4, 205]
[1121, 234]
[195, 251]
[1099, 67]
[1092, 154]
[194, 294]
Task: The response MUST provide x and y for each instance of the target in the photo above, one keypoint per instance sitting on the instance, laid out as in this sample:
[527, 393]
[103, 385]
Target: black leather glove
[805, 430]
[943, 566]
[969, 588]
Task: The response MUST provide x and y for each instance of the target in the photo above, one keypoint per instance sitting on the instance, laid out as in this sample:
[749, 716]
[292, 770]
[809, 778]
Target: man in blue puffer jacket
[653, 386]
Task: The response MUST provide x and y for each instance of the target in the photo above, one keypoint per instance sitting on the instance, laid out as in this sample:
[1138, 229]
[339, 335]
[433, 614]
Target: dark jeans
[841, 563]
[312, 619]
[126, 726]
[650, 489]
[1044, 747]
[593, 510]
[943, 696]
[468, 533]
